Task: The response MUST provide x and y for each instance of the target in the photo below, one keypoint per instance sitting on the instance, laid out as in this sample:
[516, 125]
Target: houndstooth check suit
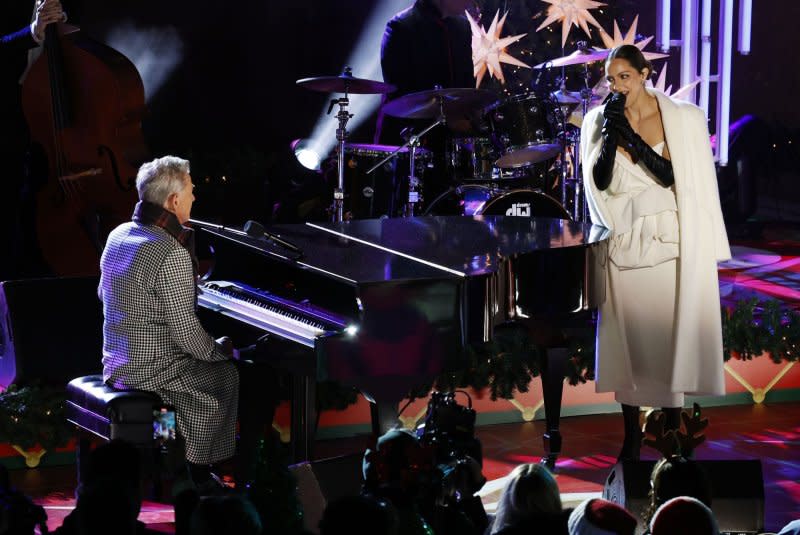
[152, 339]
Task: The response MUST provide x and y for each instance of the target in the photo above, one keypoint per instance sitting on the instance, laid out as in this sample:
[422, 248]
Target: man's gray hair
[158, 179]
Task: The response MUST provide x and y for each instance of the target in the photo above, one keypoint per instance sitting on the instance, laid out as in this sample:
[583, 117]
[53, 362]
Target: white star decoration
[630, 37]
[570, 12]
[681, 93]
[489, 50]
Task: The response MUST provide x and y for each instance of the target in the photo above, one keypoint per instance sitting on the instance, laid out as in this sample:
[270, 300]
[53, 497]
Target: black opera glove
[640, 150]
[604, 165]
[615, 108]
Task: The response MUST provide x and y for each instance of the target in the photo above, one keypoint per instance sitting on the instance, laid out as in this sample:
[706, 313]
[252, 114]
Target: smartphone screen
[164, 426]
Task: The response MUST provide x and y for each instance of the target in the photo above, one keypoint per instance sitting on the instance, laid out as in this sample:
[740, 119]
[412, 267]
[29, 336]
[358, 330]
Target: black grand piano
[384, 304]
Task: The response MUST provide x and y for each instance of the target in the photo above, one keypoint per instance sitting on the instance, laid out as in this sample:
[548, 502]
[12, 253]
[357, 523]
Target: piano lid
[465, 246]
[348, 261]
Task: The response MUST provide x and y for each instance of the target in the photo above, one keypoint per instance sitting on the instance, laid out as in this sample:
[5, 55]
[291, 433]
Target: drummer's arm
[395, 55]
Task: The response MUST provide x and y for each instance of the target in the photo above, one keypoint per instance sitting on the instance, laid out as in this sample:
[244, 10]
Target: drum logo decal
[520, 209]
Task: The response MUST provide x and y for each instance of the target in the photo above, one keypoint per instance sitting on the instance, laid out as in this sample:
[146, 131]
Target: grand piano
[384, 304]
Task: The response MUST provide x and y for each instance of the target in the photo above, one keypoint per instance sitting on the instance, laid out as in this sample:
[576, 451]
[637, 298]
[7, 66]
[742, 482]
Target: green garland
[752, 328]
[508, 363]
[33, 415]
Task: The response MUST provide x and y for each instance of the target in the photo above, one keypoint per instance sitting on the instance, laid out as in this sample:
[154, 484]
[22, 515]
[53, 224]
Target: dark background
[231, 104]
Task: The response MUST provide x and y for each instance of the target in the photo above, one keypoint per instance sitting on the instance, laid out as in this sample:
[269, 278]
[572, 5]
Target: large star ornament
[570, 12]
[629, 39]
[489, 49]
[684, 93]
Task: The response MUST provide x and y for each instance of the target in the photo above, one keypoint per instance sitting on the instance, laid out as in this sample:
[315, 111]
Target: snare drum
[377, 194]
[525, 126]
[474, 199]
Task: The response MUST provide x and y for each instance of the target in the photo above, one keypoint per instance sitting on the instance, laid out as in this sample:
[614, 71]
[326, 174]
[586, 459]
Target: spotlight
[365, 61]
[306, 155]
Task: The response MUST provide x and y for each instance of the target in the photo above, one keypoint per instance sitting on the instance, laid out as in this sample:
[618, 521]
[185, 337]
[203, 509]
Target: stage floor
[769, 432]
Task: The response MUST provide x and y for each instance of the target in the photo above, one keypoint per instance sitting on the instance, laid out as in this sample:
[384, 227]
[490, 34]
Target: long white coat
[697, 360]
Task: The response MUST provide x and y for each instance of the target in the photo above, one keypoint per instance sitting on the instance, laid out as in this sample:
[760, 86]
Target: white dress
[643, 276]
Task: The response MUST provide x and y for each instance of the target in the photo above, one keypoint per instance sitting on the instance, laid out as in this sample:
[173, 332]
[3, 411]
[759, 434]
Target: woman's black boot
[632, 444]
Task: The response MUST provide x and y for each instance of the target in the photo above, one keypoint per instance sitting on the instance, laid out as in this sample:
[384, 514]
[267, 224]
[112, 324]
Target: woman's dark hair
[632, 55]
[677, 476]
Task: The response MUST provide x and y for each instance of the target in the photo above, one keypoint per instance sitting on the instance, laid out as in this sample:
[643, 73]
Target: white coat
[697, 364]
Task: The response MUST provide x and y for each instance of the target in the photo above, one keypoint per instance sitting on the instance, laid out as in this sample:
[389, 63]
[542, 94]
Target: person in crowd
[649, 177]
[597, 516]
[684, 515]
[676, 476]
[218, 515]
[530, 498]
[359, 515]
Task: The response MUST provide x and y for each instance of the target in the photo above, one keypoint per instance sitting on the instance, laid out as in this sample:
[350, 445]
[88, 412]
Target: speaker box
[51, 330]
[320, 482]
[737, 491]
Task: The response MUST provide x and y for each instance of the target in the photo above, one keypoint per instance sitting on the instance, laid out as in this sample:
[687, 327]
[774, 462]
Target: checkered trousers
[152, 339]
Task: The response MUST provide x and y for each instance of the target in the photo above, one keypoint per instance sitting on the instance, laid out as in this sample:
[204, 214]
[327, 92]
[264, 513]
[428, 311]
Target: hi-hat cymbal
[345, 83]
[425, 104]
[579, 57]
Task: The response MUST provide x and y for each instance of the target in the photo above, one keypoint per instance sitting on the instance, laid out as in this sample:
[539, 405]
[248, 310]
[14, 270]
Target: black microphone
[254, 229]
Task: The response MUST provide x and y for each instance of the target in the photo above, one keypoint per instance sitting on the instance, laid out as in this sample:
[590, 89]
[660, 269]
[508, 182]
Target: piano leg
[383, 415]
[304, 417]
[552, 388]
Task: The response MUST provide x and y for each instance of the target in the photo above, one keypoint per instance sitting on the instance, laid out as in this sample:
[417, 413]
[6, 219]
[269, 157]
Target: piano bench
[98, 409]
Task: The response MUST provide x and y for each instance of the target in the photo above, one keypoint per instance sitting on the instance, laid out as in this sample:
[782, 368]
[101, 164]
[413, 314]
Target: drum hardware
[343, 83]
[437, 103]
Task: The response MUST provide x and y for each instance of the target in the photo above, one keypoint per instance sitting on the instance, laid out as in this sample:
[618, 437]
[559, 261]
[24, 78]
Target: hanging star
[570, 12]
[489, 50]
[628, 39]
[680, 94]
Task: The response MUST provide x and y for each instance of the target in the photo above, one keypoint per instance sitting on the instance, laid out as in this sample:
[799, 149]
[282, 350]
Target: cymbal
[578, 57]
[425, 104]
[572, 97]
[566, 97]
[346, 83]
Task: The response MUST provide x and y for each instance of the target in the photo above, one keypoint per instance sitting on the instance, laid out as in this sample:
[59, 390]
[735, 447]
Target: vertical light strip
[724, 84]
[705, 54]
[688, 43]
[662, 24]
[745, 23]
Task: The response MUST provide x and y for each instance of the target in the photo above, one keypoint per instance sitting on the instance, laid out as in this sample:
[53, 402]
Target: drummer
[426, 45]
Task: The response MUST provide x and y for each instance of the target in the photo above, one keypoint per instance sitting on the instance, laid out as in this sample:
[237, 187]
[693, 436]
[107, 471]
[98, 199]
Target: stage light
[745, 24]
[365, 62]
[306, 155]
[154, 51]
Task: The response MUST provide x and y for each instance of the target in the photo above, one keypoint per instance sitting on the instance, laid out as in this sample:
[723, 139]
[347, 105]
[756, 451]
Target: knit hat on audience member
[597, 516]
[684, 515]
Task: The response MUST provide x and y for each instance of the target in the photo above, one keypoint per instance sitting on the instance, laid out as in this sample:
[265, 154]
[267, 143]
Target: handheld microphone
[254, 229]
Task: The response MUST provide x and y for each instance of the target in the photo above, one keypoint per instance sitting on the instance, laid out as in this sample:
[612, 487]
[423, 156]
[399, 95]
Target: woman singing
[650, 178]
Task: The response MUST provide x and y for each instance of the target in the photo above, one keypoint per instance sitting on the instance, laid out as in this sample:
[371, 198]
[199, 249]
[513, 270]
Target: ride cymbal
[425, 104]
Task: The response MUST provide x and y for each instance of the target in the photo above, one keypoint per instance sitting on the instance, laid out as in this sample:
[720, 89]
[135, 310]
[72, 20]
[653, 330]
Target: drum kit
[524, 153]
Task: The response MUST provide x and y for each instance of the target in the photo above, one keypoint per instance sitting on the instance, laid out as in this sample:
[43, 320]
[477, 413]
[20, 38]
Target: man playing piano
[152, 339]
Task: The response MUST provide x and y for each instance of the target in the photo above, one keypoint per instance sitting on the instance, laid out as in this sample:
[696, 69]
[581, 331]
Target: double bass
[84, 104]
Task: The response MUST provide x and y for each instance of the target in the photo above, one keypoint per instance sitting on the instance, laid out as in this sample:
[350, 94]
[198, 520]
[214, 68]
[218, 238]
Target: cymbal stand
[341, 136]
[581, 211]
[413, 143]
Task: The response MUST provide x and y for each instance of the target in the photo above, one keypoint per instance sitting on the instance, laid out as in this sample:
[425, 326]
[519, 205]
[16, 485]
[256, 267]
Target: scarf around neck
[147, 213]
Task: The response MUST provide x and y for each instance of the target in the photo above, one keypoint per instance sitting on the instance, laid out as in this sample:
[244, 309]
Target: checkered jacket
[152, 339]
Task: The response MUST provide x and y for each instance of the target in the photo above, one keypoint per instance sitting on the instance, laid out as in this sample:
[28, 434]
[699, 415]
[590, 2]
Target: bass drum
[480, 200]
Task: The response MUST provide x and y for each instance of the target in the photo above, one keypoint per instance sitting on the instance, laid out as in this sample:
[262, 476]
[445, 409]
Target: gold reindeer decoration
[672, 443]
